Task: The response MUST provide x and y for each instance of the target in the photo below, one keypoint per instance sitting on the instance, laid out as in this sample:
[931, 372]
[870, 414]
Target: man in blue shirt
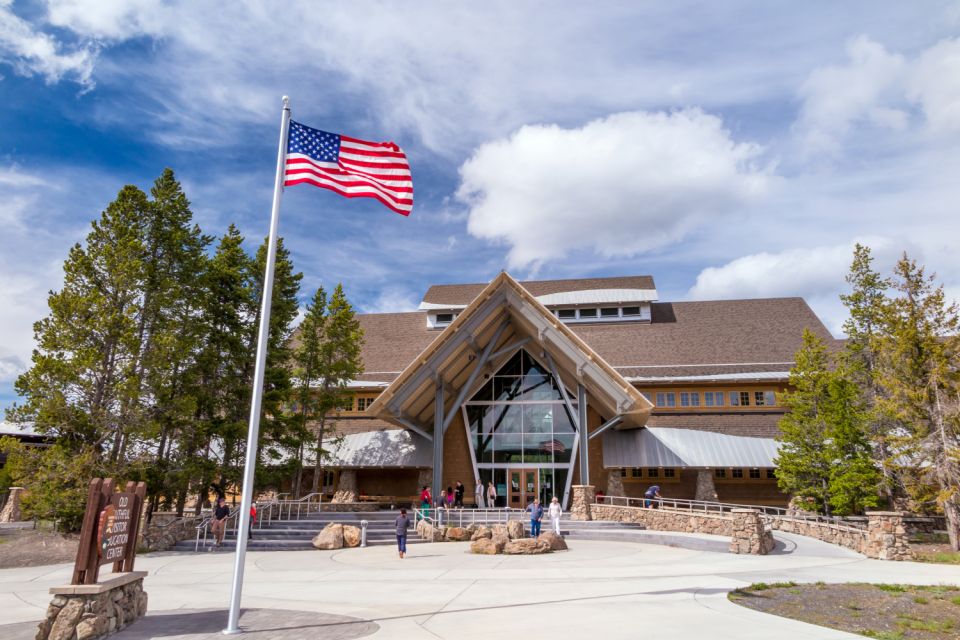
[536, 515]
[650, 497]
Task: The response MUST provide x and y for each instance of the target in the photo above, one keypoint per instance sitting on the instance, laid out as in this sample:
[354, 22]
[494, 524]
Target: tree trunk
[298, 479]
[318, 463]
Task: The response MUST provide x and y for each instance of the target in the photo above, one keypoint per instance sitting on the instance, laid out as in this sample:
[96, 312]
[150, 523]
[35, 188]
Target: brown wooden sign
[111, 525]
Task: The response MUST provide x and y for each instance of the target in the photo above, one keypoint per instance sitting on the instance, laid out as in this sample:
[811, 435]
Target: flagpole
[250, 463]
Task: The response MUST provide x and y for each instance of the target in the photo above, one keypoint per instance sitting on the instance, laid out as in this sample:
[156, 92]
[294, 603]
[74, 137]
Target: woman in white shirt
[554, 513]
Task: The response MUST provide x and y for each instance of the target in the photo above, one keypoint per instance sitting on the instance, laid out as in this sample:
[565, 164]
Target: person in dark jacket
[458, 495]
[536, 517]
[218, 525]
[402, 525]
[649, 498]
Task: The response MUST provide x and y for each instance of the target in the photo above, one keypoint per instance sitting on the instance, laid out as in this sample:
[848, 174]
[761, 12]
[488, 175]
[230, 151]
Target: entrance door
[523, 487]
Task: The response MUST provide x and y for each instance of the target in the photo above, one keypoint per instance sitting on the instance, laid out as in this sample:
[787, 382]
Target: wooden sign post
[110, 528]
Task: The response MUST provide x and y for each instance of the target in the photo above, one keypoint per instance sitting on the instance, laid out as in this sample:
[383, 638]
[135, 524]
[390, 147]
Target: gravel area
[32, 548]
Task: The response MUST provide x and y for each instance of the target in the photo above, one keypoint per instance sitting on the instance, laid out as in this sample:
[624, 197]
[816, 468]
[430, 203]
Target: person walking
[425, 500]
[218, 526]
[449, 499]
[491, 496]
[555, 512]
[402, 524]
[649, 497]
[253, 520]
[458, 495]
[478, 495]
[536, 516]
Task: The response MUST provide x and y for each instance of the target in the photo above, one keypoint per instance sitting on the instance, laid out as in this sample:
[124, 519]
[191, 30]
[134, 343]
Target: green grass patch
[955, 600]
[920, 600]
[892, 588]
[763, 586]
[884, 635]
[938, 557]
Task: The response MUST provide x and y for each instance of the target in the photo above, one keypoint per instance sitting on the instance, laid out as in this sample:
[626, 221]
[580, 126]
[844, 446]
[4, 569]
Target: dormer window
[588, 313]
[567, 314]
[444, 318]
[610, 312]
[631, 311]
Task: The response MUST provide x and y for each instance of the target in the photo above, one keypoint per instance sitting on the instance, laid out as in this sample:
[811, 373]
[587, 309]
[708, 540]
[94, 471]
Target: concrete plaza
[597, 589]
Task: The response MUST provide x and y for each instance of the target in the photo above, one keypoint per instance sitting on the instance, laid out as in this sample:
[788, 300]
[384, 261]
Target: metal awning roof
[390, 448]
[663, 447]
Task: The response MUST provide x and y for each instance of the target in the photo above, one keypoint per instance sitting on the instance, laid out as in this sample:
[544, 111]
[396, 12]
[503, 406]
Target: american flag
[351, 167]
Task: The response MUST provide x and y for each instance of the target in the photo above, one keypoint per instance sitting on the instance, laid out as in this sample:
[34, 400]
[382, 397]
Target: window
[653, 473]
[666, 399]
[744, 398]
[689, 398]
[734, 399]
[444, 318]
[631, 311]
[609, 312]
[345, 404]
[720, 473]
[588, 313]
[364, 403]
[755, 474]
[567, 314]
[771, 474]
[623, 473]
[647, 395]
[758, 398]
[636, 473]
[736, 473]
[770, 398]
[669, 473]
[713, 398]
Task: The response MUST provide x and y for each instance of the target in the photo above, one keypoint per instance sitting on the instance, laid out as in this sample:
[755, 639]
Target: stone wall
[666, 519]
[85, 612]
[744, 527]
[614, 483]
[884, 538]
[349, 506]
[706, 488]
[163, 533]
[11, 508]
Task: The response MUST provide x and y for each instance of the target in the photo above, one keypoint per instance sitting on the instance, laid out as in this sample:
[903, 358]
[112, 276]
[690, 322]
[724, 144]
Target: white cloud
[935, 84]
[815, 273]
[621, 185]
[393, 299]
[838, 96]
[110, 19]
[32, 52]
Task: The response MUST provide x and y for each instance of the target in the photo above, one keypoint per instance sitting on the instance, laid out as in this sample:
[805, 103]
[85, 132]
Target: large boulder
[351, 536]
[556, 542]
[526, 547]
[515, 530]
[330, 538]
[500, 530]
[473, 528]
[487, 546]
[457, 534]
[482, 532]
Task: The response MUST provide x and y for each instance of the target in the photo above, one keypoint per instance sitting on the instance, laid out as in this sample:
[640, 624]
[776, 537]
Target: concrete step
[188, 546]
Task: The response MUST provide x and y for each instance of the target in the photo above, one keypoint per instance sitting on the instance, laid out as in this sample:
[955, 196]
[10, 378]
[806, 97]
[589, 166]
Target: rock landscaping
[337, 536]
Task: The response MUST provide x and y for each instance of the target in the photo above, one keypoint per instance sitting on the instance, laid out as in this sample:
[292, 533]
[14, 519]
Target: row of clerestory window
[669, 399]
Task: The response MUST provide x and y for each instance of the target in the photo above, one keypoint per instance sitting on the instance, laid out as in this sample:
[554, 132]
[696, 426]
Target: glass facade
[518, 419]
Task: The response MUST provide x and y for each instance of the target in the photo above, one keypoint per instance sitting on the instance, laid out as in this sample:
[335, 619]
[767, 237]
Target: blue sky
[729, 149]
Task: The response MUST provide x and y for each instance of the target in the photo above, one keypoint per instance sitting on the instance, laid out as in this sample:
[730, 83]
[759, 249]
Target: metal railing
[267, 511]
[724, 508]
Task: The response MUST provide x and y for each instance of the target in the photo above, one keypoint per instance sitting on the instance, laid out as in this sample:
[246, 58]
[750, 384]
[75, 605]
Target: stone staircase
[294, 534]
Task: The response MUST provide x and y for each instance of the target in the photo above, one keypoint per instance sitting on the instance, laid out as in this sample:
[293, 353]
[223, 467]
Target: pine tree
[310, 336]
[338, 363]
[83, 370]
[804, 460]
[854, 481]
[867, 304]
[918, 371]
[278, 437]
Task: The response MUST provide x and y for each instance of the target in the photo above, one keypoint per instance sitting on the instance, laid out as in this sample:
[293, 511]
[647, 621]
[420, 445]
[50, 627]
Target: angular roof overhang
[502, 318]
[665, 447]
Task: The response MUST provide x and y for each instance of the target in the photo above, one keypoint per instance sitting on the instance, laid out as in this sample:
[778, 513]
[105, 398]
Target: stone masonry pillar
[346, 487]
[584, 495]
[887, 536]
[749, 534]
[11, 510]
[614, 483]
[706, 489]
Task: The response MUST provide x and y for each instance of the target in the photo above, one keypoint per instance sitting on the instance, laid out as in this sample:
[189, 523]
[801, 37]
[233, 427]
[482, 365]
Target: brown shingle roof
[756, 334]
[754, 424]
[462, 294]
[391, 341]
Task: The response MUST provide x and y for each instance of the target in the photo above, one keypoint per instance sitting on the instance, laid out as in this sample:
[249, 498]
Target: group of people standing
[485, 497]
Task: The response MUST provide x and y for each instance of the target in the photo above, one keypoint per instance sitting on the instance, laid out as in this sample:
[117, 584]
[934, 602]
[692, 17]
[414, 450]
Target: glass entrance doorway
[523, 487]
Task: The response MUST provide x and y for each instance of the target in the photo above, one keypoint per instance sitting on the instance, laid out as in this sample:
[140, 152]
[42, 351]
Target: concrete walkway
[601, 589]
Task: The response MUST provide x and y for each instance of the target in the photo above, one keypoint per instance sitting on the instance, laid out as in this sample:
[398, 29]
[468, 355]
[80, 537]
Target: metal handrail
[720, 508]
[500, 515]
[265, 512]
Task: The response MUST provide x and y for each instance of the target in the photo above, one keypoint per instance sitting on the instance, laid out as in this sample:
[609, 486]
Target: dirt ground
[888, 612]
[31, 548]
[933, 548]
